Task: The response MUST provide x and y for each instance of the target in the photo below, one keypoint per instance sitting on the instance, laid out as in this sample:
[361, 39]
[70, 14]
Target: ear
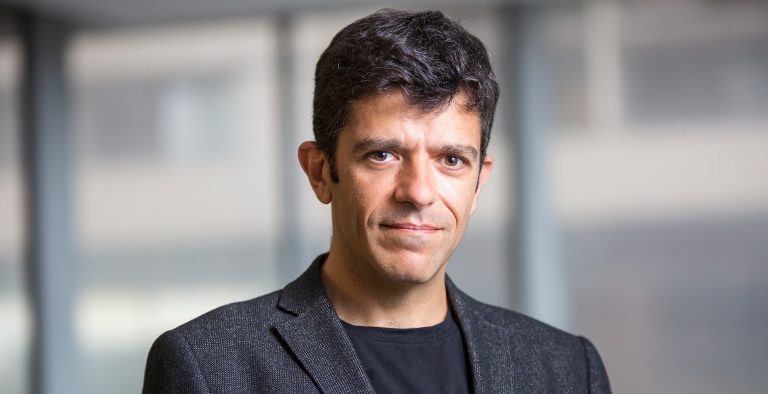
[315, 165]
[485, 172]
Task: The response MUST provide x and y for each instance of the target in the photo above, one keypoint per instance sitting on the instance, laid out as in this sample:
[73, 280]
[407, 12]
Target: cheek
[365, 196]
[457, 196]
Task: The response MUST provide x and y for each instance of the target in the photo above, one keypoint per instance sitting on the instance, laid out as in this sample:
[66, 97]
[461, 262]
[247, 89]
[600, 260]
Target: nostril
[418, 190]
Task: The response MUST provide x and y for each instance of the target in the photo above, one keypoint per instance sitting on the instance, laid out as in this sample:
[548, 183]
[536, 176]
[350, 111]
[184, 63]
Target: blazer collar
[317, 338]
[321, 344]
[487, 344]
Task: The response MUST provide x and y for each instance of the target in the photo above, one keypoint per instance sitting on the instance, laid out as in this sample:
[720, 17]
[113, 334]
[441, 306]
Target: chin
[410, 270]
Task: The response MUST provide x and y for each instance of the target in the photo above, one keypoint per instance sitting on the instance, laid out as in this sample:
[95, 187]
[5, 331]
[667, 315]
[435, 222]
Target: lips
[411, 226]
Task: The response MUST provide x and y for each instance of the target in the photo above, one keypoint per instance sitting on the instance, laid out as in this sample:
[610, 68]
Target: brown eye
[454, 162]
[381, 156]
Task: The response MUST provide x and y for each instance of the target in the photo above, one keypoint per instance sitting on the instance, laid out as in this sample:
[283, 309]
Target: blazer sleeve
[598, 378]
[172, 367]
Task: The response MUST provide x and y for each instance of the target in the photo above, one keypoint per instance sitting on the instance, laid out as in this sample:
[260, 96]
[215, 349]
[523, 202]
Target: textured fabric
[413, 360]
[291, 341]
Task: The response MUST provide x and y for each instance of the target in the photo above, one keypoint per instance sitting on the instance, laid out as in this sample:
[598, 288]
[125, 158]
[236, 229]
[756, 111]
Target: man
[403, 109]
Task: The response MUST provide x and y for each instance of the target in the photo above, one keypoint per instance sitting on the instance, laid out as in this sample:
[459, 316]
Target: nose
[416, 185]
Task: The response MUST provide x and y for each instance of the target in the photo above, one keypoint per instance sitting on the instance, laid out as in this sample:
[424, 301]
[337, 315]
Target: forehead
[390, 115]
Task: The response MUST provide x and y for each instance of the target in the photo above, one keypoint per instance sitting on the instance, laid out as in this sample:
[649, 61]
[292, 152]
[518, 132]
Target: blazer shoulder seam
[194, 355]
[587, 361]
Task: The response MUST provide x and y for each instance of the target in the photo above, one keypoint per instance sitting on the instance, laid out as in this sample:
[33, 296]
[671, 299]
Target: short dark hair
[426, 55]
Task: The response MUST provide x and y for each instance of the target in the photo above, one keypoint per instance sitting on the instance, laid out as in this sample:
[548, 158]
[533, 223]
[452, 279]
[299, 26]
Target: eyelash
[372, 155]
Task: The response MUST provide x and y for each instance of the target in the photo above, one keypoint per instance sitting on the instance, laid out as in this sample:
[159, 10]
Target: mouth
[411, 227]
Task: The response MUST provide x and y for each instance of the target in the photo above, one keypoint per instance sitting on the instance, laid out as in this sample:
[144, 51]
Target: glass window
[663, 211]
[175, 136]
[695, 62]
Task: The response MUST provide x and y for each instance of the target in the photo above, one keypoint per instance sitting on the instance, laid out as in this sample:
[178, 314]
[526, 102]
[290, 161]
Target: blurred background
[148, 174]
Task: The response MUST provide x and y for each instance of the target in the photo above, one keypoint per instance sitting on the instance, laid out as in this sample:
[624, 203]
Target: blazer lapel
[317, 338]
[488, 345]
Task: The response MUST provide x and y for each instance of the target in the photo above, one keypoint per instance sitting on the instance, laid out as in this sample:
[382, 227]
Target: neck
[365, 299]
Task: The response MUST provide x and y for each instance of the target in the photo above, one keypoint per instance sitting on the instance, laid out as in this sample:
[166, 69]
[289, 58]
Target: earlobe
[485, 172]
[314, 164]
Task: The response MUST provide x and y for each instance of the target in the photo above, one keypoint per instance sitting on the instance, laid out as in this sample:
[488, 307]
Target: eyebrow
[370, 144]
[383, 144]
[462, 150]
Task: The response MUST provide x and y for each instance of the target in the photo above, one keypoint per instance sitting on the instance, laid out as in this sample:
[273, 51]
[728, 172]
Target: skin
[408, 184]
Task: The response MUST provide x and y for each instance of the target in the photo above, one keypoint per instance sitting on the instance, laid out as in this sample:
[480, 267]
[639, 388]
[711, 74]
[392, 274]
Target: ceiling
[96, 13]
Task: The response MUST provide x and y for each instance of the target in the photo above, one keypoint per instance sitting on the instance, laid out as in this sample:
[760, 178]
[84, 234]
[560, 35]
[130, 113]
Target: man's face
[408, 183]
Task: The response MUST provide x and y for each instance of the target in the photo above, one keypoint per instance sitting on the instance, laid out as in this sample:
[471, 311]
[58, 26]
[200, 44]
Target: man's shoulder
[524, 330]
[255, 318]
[545, 358]
[516, 321]
[232, 346]
[235, 319]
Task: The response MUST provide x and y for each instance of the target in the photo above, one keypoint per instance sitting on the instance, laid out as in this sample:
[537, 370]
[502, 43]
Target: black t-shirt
[413, 360]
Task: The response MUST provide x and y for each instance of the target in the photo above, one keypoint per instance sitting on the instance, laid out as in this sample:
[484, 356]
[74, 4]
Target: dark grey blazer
[292, 341]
